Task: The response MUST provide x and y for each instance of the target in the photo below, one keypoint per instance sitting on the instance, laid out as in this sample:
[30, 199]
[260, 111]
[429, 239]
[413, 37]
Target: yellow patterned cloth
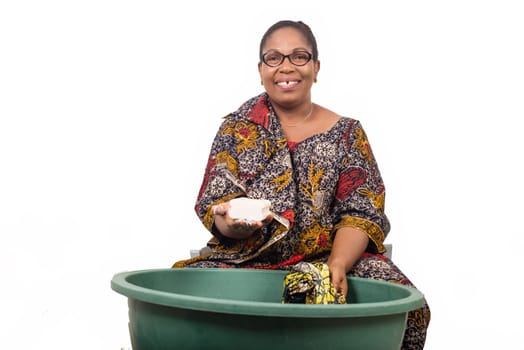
[310, 283]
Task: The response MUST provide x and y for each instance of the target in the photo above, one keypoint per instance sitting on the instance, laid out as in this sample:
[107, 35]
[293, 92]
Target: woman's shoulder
[328, 113]
[252, 109]
[338, 119]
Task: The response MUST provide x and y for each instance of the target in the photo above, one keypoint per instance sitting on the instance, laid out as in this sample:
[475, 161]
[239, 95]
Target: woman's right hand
[236, 228]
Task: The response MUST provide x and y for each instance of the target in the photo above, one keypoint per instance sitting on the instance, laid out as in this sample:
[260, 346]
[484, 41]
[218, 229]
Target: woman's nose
[286, 65]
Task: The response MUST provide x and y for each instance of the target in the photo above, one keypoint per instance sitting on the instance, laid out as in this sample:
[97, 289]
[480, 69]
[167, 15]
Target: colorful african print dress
[328, 181]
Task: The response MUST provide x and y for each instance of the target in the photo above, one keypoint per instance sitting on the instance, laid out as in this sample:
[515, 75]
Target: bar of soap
[249, 209]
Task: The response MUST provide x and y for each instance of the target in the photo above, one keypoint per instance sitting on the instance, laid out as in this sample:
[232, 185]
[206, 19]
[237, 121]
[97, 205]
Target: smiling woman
[314, 168]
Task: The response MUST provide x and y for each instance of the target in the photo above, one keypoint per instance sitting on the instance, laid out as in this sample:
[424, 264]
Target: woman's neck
[296, 117]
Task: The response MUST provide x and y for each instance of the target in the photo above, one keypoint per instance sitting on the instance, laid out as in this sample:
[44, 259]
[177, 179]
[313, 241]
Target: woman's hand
[338, 277]
[233, 228]
[348, 246]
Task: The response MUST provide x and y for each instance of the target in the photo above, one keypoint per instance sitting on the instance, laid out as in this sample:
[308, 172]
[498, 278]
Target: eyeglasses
[275, 58]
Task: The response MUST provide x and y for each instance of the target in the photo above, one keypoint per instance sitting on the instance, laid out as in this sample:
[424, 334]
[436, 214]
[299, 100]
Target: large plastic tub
[195, 308]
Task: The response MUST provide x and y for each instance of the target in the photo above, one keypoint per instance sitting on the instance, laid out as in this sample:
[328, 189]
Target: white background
[108, 109]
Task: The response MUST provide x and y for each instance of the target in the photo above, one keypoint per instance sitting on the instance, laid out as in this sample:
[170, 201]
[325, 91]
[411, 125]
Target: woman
[314, 166]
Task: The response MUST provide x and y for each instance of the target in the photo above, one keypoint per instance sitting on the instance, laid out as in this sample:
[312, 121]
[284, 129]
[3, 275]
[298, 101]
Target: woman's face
[288, 85]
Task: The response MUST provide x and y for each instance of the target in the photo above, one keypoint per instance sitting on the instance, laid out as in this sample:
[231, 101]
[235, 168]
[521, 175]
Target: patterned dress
[328, 181]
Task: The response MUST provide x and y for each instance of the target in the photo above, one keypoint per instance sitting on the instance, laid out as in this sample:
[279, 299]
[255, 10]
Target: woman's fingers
[338, 278]
[220, 209]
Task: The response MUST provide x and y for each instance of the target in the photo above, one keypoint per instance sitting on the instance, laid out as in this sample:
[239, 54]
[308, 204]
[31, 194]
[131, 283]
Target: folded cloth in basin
[310, 283]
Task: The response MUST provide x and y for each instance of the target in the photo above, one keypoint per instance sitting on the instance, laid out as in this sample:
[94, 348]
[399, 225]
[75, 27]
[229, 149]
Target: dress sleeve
[360, 193]
[219, 183]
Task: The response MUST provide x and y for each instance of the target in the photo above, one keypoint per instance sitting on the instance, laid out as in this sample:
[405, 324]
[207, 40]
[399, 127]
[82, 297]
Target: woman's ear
[260, 73]
[317, 68]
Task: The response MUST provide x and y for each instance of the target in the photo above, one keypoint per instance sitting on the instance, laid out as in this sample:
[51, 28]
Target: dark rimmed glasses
[275, 58]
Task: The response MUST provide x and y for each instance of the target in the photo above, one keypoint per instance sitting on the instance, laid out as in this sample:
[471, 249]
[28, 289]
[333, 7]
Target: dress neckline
[294, 144]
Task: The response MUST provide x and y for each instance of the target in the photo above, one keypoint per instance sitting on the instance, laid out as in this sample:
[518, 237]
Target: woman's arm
[348, 246]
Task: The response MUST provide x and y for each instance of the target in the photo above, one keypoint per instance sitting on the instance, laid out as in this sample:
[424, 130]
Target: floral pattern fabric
[328, 181]
[309, 283]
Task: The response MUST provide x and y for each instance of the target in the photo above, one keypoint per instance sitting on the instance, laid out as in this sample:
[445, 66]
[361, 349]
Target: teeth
[287, 83]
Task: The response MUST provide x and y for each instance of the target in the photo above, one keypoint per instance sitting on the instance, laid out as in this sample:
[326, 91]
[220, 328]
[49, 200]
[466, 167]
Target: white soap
[249, 209]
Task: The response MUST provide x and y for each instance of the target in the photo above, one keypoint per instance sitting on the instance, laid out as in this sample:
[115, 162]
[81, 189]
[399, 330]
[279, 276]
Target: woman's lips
[287, 84]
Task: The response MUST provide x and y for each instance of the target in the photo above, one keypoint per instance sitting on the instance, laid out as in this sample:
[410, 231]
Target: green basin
[197, 308]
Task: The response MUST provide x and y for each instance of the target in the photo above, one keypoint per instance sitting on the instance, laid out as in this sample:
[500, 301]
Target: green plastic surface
[241, 309]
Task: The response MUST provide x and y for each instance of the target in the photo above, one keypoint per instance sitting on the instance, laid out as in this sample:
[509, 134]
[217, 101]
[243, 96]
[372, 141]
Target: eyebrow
[294, 50]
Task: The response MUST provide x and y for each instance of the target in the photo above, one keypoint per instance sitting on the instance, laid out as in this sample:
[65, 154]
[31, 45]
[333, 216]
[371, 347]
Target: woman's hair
[298, 25]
